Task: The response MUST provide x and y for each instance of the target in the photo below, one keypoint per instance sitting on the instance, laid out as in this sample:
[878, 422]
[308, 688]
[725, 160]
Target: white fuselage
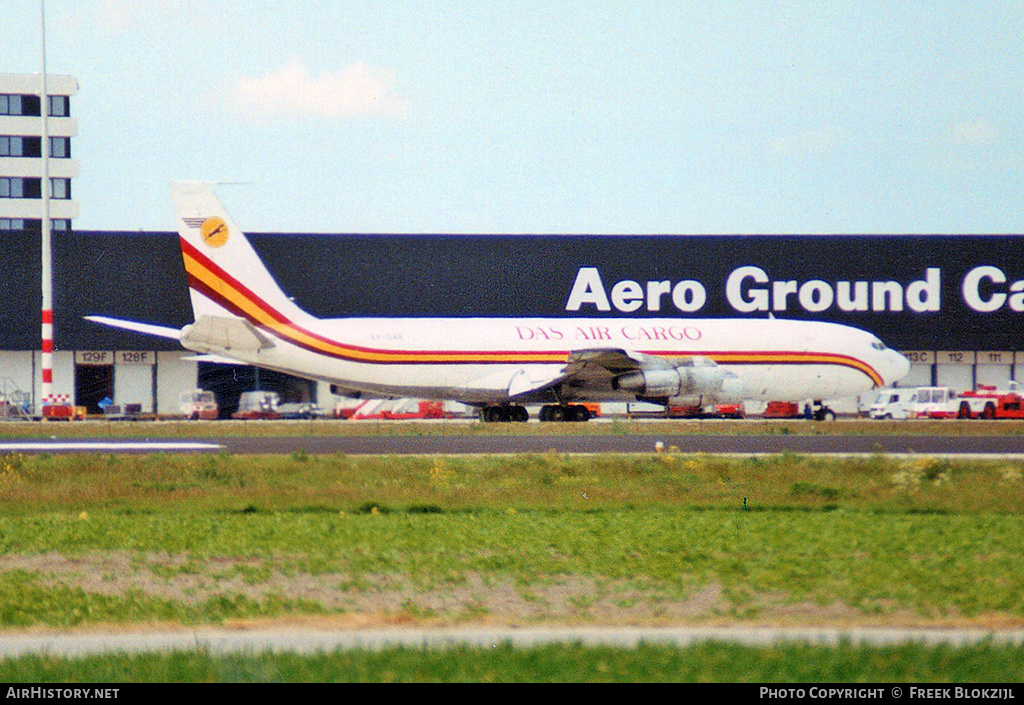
[241, 313]
[474, 359]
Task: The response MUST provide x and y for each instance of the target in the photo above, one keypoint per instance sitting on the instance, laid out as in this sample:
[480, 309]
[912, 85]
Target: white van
[894, 404]
[198, 404]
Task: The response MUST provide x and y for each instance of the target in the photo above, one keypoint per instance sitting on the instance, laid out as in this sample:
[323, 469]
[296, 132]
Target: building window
[29, 105]
[10, 105]
[17, 187]
[60, 188]
[14, 104]
[57, 225]
[60, 147]
[60, 106]
[10, 188]
[14, 146]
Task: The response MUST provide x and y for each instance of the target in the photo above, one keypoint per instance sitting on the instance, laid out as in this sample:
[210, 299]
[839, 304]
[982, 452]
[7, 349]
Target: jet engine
[691, 380]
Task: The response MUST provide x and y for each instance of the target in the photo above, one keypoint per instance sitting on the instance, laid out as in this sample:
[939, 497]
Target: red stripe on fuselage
[426, 357]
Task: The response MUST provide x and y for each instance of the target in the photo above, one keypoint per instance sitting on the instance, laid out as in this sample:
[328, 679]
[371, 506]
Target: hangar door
[94, 379]
[995, 368]
[227, 382]
[955, 369]
[134, 379]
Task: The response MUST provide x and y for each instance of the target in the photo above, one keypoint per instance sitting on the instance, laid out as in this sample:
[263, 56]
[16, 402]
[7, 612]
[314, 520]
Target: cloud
[125, 15]
[977, 133]
[972, 146]
[357, 89]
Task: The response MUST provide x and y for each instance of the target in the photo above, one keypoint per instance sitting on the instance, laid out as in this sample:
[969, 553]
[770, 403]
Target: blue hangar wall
[916, 292]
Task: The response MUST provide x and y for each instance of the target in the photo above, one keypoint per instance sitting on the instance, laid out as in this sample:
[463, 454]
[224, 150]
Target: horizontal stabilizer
[221, 334]
[147, 328]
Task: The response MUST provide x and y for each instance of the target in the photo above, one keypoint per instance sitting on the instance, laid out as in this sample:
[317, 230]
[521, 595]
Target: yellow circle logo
[214, 232]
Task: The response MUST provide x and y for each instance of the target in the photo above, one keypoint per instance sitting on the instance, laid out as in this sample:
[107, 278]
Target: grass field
[723, 663]
[94, 540]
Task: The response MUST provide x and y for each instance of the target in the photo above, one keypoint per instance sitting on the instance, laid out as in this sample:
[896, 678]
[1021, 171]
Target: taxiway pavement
[985, 446]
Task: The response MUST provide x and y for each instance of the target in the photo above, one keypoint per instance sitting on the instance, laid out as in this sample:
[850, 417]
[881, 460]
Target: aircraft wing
[217, 359]
[601, 364]
[583, 368]
[607, 368]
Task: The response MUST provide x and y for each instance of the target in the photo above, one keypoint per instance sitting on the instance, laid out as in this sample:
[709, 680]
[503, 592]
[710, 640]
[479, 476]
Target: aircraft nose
[900, 367]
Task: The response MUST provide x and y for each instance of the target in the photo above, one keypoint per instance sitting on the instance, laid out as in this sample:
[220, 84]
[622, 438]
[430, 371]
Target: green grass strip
[712, 662]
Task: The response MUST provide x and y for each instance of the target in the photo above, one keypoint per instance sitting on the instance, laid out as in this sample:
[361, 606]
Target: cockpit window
[878, 344]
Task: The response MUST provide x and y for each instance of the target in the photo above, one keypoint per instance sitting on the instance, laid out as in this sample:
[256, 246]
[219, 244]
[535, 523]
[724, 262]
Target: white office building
[21, 151]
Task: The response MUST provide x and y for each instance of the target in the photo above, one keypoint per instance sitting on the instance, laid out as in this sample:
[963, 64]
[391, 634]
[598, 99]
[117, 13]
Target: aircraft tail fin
[226, 276]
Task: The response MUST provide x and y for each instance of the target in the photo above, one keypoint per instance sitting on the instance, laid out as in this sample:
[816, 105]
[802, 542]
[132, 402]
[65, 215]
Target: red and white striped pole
[47, 355]
[47, 269]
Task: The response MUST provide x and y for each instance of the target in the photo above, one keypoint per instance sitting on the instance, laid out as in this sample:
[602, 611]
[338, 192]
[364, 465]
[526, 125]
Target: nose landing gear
[819, 413]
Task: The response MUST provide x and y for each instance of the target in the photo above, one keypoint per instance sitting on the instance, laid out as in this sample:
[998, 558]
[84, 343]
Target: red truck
[991, 403]
[985, 402]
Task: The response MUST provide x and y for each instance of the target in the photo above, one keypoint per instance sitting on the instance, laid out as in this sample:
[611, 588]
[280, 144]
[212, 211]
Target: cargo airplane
[502, 364]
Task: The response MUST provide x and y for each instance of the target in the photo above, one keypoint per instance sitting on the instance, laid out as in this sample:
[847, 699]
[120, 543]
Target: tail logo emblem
[214, 232]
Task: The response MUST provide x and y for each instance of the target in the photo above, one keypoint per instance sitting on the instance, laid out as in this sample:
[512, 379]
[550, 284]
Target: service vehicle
[991, 403]
[793, 410]
[985, 402]
[198, 404]
[1005, 406]
[122, 412]
[894, 404]
[934, 403]
[300, 410]
[730, 411]
[782, 410]
[257, 405]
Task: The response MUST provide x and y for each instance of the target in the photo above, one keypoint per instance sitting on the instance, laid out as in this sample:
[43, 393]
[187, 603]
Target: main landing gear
[504, 413]
[551, 412]
[564, 412]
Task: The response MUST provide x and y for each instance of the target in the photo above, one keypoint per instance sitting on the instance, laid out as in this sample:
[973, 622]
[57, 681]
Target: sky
[456, 116]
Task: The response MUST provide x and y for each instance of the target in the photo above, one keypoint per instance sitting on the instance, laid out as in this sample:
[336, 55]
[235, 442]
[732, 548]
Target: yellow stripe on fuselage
[237, 297]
